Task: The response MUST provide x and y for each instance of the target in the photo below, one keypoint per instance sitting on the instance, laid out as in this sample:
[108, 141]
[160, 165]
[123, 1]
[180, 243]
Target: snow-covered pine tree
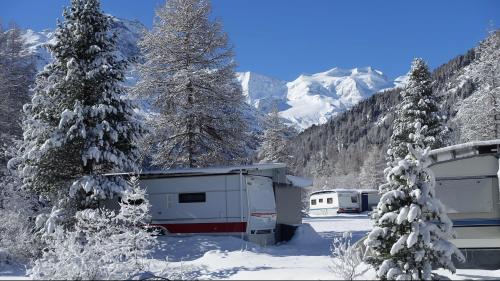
[411, 229]
[418, 105]
[133, 216]
[78, 124]
[189, 73]
[274, 146]
[17, 72]
[102, 245]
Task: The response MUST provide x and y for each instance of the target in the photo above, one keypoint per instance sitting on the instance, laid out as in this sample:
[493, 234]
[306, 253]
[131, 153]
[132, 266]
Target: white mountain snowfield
[305, 257]
[308, 100]
[314, 99]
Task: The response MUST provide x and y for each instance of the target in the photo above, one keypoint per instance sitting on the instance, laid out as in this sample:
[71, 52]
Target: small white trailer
[467, 184]
[332, 202]
[260, 203]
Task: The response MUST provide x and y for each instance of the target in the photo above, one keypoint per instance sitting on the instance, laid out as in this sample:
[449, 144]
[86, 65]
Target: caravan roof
[336, 191]
[210, 170]
[265, 169]
[217, 170]
[477, 147]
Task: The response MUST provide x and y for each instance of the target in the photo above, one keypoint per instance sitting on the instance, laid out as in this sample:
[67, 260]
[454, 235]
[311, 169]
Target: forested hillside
[335, 153]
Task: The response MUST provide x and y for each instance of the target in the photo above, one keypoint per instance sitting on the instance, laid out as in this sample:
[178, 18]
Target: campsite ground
[306, 256]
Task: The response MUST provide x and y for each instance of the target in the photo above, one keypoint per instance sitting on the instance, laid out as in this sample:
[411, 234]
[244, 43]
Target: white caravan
[259, 202]
[331, 202]
[467, 184]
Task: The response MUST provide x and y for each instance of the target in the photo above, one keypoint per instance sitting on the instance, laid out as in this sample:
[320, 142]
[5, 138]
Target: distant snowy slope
[313, 99]
[35, 42]
[401, 81]
[263, 92]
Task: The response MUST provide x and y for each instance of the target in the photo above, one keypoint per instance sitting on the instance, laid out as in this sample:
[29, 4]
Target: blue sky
[284, 38]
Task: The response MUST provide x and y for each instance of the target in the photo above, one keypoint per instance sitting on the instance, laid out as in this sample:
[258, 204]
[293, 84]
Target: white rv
[258, 202]
[331, 202]
[467, 184]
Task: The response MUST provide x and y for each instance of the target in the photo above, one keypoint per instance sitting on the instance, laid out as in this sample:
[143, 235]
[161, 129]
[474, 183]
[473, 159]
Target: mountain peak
[313, 99]
[339, 72]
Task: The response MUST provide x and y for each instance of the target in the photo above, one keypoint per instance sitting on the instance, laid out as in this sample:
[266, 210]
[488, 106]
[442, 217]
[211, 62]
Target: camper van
[467, 184]
[260, 203]
[331, 202]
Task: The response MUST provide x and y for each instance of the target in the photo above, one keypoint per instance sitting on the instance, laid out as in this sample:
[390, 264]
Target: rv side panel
[198, 204]
[233, 199]
[478, 165]
[467, 184]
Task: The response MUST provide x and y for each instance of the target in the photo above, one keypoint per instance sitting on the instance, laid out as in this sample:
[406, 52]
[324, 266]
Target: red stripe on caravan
[205, 227]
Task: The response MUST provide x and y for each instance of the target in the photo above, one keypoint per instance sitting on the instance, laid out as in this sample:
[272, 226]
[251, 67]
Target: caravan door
[262, 210]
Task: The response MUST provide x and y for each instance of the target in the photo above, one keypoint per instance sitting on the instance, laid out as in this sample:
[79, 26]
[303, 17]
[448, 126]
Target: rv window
[354, 198]
[320, 200]
[192, 197]
[329, 200]
[313, 202]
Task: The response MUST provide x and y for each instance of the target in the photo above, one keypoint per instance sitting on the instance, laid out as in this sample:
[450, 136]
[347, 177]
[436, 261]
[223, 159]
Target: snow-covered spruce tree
[274, 146]
[17, 72]
[189, 73]
[78, 124]
[411, 228]
[133, 216]
[102, 245]
[418, 105]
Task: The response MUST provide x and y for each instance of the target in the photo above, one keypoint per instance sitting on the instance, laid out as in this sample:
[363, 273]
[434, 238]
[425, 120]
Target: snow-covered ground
[306, 256]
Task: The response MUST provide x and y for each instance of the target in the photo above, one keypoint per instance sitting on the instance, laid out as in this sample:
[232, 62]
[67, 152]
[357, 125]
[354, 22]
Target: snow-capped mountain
[309, 99]
[313, 99]
[401, 81]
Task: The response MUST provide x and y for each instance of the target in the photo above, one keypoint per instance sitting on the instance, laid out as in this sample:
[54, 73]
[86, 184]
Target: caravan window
[329, 200]
[192, 197]
[354, 198]
[313, 202]
[320, 200]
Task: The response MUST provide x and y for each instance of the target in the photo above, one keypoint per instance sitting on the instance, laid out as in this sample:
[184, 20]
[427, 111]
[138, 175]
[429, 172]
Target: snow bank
[299, 182]
[305, 235]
